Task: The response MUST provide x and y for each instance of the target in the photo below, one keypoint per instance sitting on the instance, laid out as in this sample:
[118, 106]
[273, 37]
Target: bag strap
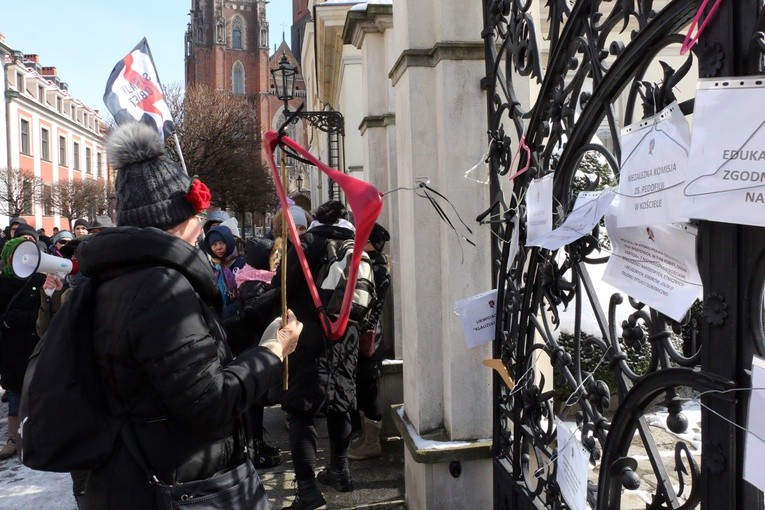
[131, 441]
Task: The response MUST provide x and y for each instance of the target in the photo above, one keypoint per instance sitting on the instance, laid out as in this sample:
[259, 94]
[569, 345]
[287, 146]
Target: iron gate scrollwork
[598, 66]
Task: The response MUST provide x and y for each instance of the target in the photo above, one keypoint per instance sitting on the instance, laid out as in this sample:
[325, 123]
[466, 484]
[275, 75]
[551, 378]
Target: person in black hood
[321, 372]
[158, 338]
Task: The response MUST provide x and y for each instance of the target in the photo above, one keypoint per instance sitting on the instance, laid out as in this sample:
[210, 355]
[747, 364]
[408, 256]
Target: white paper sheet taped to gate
[478, 315]
[655, 265]
[653, 168]
[726, 170]
[589, 208]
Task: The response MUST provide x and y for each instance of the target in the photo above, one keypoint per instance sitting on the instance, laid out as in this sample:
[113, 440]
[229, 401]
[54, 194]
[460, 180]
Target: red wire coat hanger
[366, 204]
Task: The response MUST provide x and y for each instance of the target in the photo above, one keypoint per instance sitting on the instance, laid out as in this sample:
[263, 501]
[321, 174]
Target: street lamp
[284, 74]
[299, 181]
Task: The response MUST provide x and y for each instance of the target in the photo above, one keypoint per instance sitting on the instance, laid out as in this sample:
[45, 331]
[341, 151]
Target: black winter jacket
[19, 304]
[157, 333]
[321, 372]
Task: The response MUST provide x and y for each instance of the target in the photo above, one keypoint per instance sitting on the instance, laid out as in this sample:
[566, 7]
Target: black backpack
[66, 423]
[332, 275]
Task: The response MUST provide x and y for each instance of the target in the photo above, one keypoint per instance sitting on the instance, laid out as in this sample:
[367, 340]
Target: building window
[58, 104]
[25, 138]
[237, 80]
[236, 34]
[88, 168]
[45, 144]
[20, 82]
[99, 170]
[41, 93]
[47, 200]
[76, 155]
[62, 150]
[27, 197]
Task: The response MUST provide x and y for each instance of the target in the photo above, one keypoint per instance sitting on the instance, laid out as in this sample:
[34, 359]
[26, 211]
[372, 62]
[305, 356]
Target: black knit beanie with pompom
[151, 189]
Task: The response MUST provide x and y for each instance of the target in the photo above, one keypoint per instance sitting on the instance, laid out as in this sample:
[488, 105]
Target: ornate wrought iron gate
[591, 68]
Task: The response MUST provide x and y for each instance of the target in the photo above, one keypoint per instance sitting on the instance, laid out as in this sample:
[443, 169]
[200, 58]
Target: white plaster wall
[465, 268]
[350, 106]
[463, 492]
[421, 284]
[419, 34]
[456, 21]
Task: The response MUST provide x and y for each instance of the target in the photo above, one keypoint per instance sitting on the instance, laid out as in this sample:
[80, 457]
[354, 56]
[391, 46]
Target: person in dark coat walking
[158, 339]
[321, 372]
[19, 303]
[370, 362]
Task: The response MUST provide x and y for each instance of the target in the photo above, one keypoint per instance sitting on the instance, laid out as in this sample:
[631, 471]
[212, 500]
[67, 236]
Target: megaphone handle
[49, 292]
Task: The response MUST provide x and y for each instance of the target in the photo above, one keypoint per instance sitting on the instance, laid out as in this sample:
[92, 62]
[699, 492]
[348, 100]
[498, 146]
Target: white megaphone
[27, 259]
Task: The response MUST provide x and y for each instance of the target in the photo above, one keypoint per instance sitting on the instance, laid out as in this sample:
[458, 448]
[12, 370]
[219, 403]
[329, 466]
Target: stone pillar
[371, 31]
[440, 133]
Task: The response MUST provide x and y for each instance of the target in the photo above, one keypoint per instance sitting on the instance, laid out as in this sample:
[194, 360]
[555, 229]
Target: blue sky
[84, 39]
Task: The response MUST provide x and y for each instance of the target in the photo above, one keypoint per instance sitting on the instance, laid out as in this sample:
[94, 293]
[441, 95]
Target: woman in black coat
[158, 339]
[321, 372]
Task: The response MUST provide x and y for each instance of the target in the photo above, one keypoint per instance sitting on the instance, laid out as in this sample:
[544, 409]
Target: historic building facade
[227, 49]
[49, 137]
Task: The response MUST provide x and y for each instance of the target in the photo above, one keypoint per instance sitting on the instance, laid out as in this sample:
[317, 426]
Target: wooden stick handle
[285, 363]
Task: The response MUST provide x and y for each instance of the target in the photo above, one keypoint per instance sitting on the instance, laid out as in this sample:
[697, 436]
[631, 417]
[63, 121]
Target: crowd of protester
[188, 324]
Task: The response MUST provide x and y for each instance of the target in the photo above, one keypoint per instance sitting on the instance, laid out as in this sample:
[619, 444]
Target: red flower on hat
[198, 195]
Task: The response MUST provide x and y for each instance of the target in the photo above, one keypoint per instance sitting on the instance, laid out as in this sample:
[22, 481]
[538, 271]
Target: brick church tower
[300, 16]
[227, 46]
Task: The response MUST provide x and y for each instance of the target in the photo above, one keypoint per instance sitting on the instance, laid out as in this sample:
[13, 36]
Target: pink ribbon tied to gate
[366, 203]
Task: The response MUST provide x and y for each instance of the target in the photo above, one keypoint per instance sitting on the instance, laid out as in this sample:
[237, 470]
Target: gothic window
[237, 78]
[236, 34]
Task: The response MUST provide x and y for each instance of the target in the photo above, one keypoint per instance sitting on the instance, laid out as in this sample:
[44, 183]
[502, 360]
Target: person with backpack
[165, 359]
[371, 354]
[19, 303]
[54, 292]
[321, 372]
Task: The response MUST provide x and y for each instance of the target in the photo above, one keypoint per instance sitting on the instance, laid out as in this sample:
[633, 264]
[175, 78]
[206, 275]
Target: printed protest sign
[653, 167]
[726, 169]
[539, 205]
[478, 315]
[655, 265]
[589, 208]
[573, 460]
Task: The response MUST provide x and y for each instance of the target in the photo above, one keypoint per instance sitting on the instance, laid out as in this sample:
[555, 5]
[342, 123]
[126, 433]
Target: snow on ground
[22, 488]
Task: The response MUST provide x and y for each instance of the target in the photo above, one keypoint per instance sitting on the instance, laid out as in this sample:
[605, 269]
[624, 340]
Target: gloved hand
[282, 341]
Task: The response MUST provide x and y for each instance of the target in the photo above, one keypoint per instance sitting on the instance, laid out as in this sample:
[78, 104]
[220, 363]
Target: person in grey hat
[214, 218]
[101, 223]
[159, 344]
[58, 241]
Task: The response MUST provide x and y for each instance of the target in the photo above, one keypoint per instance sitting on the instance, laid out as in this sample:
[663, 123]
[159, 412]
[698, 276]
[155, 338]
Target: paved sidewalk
[379, 482]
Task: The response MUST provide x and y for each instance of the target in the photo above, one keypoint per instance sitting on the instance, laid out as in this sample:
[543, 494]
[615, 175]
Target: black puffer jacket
[19, 304]
[322, 373]
[157, 334]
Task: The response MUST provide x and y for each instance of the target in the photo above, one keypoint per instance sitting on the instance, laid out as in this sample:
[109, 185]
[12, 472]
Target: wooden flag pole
[286, 365]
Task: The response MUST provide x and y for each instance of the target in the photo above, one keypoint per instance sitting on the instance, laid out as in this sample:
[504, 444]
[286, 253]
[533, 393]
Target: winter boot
[11, 447]
[266, 450]
[308, 497]
[339, 479]
[369, 445]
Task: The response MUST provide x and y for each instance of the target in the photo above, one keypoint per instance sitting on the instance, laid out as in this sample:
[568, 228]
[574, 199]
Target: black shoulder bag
[236, 487]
